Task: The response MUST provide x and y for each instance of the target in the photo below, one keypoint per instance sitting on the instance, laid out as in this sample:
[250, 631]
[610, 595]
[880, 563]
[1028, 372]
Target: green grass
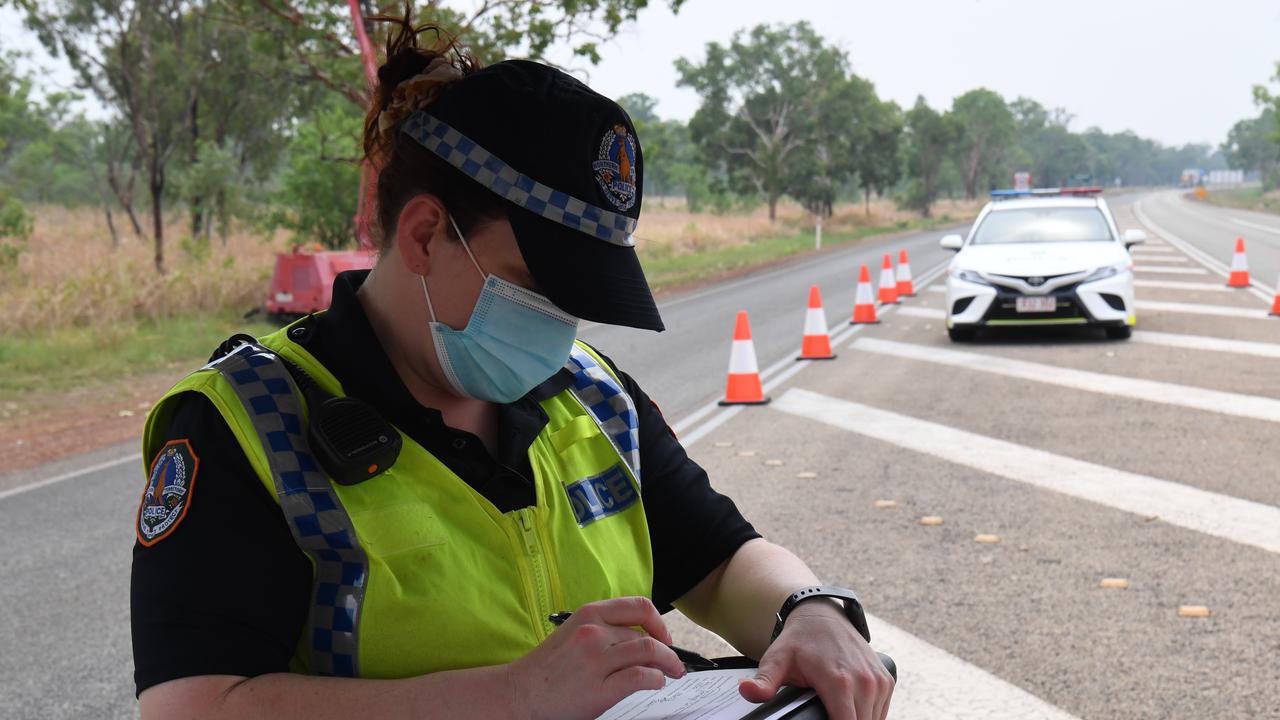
[666, 270]
[83, 356]
[1251, 198]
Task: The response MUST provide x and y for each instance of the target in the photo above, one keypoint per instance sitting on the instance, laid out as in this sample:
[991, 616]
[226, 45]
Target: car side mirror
[951, 242]
[1134, 237]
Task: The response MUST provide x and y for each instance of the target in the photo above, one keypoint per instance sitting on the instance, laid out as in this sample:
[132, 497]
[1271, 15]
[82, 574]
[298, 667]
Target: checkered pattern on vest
[320, 525]
[608, 404]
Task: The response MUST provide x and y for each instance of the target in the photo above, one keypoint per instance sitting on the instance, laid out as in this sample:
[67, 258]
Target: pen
[692, 660]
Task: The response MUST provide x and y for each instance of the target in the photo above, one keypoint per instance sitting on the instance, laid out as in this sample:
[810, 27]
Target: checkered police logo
[615, 167]
[168, 493]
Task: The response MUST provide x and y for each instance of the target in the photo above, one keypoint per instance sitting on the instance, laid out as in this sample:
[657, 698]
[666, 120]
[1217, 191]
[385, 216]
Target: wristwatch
[852, 608]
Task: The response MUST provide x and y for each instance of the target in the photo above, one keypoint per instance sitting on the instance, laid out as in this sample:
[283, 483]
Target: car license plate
[1036, 304]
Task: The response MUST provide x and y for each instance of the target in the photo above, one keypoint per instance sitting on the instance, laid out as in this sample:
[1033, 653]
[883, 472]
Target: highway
[1077, 459]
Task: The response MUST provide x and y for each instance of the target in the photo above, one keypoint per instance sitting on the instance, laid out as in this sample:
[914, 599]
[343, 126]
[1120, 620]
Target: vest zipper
[537, 568]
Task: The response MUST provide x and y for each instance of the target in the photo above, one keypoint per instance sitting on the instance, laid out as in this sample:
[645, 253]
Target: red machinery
[303, 279]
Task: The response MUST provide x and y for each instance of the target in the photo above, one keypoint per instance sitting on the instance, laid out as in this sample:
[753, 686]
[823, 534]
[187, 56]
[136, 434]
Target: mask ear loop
[463, 240]
[467, 247]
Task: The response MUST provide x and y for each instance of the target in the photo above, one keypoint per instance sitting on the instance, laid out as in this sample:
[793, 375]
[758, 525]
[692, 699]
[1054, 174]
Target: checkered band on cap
[489, 170]
[609, 405]
[319, 523]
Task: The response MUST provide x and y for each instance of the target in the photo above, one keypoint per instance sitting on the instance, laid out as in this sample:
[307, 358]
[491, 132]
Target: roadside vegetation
[1248, 198]
[136, 242]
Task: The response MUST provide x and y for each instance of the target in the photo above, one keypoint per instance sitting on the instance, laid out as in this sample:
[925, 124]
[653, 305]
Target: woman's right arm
[582, 669]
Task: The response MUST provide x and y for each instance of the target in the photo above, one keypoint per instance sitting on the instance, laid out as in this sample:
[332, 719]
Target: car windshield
[1046, 224]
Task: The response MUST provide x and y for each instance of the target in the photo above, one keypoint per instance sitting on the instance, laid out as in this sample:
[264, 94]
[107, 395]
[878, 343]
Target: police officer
[373, 511]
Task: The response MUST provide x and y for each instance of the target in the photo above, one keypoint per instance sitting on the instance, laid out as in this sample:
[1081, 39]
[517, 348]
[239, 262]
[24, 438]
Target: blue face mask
[514, 341]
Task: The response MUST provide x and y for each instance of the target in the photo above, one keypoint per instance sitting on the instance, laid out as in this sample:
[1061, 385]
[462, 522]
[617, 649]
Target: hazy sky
[1174, 70]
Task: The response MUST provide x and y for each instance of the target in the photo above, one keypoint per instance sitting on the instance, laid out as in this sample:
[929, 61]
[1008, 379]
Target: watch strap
[852, 607]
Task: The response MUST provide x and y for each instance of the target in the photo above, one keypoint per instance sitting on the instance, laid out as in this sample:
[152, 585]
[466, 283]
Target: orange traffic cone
[864, 303]
[905, 287]
[888, 285]
[744, 386]
[816, 344]
[1239, 267]
[1275, 304]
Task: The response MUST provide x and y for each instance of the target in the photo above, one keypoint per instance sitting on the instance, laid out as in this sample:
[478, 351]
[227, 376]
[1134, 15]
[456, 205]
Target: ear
[421, 229]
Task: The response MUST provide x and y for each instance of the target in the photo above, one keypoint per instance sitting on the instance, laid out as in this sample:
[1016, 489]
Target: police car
[1050, 256]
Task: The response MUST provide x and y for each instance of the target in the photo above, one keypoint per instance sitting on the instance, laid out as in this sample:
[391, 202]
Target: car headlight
[1108, 271]
[968, 276]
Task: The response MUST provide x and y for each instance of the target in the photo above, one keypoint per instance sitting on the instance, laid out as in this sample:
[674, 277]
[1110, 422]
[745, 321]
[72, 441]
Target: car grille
[1004, 307]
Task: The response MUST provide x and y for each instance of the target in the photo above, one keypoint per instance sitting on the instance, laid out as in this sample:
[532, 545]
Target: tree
[1251, 145]
[760, 100]
[879, 158]
[985, 128]
[316, 199]
[317, 33]
[930, 138]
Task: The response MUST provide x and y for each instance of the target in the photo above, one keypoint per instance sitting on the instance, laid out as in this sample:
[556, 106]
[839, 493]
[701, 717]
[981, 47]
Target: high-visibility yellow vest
[416, 572]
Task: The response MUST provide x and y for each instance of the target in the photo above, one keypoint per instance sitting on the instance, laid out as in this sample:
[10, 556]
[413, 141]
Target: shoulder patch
[168, 494]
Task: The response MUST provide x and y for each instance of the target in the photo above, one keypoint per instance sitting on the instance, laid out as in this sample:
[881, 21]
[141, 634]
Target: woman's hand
[820, 649]
[595, 660]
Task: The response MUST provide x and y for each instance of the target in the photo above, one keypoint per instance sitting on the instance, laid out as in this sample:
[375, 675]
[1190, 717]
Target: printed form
[704, 695]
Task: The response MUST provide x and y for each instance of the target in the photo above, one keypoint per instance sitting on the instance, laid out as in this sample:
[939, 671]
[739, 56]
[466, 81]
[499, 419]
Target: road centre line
[1181, 285]
[945, 687]
[1255, 226]
[1236, 404]
[1223, 516]
[1199, 309]
[1170, 270]
[1261, 290]
[1203, 342]
[135, 457]
[688, 436]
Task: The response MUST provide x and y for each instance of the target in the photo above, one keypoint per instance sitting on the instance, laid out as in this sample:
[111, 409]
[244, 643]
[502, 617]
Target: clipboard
[812, 709]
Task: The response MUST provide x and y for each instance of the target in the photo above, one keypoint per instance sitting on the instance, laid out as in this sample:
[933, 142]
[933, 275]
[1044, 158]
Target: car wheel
[961, 334]
[1121, 332]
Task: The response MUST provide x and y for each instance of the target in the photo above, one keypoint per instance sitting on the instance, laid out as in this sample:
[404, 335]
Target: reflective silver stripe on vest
[608, 404]
[319, 523]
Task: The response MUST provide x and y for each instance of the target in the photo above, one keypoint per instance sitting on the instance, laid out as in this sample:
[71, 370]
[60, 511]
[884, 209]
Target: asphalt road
[1182, 492]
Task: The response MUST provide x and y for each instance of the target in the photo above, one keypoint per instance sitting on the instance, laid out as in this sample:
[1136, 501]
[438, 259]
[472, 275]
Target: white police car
[1042, 257]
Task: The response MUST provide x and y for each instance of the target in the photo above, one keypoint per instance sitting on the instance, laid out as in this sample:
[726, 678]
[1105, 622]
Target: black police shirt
[227, 591]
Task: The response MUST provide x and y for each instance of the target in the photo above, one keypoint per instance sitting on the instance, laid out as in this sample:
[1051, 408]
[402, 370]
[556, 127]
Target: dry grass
[69, 276]
[668, 229]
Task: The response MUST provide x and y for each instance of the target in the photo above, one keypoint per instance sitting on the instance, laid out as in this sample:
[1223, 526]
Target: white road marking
[944, 687]
[1162, 258]
[1198, 309]
[938, 288]
[1170, 270]
[1231, 518]
[1239, 405]
[73, 474]
[1180, 285]
[1256, 226]
[1202, 342]
[922, 312]
[1261, 290]
[1161, 249]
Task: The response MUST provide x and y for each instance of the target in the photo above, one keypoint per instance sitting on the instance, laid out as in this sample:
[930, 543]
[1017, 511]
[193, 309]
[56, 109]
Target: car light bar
[1009, 193]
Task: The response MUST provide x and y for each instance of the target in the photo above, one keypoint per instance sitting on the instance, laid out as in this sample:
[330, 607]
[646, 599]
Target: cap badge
[615, 168]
